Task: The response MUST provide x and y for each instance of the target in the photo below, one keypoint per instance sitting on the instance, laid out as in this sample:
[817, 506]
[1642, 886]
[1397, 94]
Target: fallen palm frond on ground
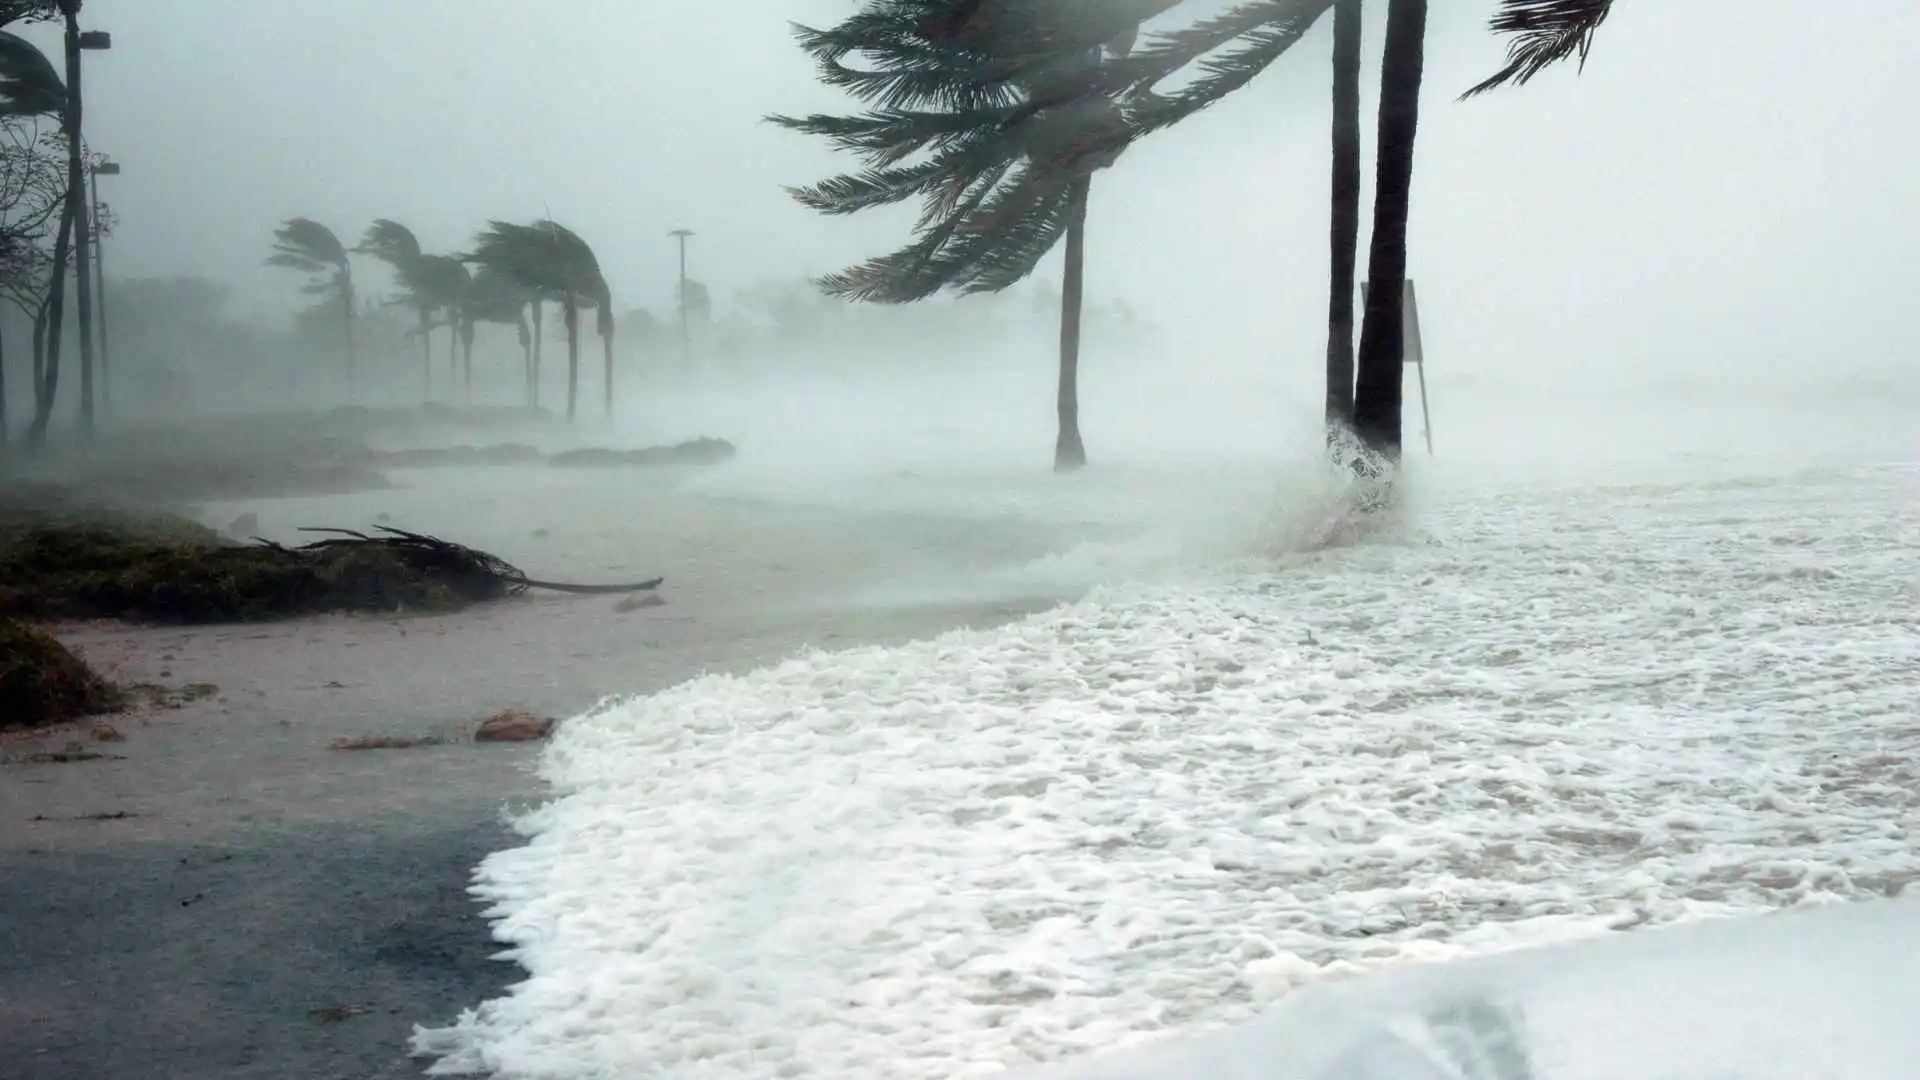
[101, 567]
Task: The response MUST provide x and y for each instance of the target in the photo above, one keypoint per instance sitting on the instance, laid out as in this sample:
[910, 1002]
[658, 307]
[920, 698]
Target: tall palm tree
[1379, 370]
[394, 244]
[305, 245]
[553, 262]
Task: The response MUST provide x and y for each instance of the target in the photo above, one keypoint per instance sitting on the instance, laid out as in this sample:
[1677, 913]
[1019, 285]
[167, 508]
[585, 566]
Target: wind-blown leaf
[1543, 33]
[29, 83]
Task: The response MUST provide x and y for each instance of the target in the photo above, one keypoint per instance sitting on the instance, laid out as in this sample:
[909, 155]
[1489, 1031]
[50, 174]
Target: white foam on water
[1515, 716]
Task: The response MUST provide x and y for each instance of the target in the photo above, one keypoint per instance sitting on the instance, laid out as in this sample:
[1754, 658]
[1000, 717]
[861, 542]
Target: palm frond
[1543, 33]
[29, 83]
[390, 242]
[307, 238]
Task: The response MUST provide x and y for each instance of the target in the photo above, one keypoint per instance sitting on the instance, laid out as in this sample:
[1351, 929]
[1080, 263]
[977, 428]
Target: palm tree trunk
[1376, 413]
[533, 382]
[606, 351]
[1069, 452]
[1346, 214]
[466, 359]
[3, 398]
[426, 354]
[346, 328]
[570, 309]
[526, 357]
[48, 388]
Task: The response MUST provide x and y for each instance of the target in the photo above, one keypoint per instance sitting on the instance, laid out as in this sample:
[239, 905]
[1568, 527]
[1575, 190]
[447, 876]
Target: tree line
[511, 275]
[996, 115]
[44, 228]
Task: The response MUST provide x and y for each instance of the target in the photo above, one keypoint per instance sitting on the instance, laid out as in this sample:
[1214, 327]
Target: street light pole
[102, 167]
[76, 42]
[686, 337]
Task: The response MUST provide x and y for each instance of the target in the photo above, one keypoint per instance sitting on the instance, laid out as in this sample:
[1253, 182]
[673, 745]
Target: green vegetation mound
[42, 683]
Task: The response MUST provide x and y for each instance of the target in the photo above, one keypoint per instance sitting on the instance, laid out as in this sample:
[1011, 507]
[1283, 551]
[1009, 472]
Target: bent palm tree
[552, 262]
[394, 244]
[305, 245]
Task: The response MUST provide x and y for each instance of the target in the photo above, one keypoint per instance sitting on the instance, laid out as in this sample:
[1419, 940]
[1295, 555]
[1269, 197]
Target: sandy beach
[222, 895]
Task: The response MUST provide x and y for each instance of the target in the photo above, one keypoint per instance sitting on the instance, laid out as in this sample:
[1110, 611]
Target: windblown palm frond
[987, 111]
[1543, 33]
[29, 83]
[545, 258]
[390, 242]
[305, 244]
[13, 11]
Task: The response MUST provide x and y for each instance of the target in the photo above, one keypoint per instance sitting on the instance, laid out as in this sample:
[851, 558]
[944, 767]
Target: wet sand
[225, 896]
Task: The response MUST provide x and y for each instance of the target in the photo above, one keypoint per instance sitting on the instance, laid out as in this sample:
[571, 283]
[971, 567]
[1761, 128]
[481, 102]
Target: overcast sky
[1729, 188]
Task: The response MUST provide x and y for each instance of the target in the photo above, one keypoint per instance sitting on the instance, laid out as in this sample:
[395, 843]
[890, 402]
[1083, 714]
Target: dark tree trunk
[3, 396]
[77, 216]
[426, 354]
[47, 389]
[466, 358]
[606, 350]
[1346, 214]
[1376, 412]
[1069, 452]
[345, 281]
[526, 358]
[539, 333]
[570, 309]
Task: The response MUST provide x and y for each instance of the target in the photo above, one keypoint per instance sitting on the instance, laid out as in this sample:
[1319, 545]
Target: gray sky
[1728, 189]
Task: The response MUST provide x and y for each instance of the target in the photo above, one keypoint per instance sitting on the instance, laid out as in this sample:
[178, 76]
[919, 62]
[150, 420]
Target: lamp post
[102, 167]
[76, 43]
[686, 338]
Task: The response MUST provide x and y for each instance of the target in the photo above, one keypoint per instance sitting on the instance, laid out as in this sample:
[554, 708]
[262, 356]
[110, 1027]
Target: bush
[42, 683]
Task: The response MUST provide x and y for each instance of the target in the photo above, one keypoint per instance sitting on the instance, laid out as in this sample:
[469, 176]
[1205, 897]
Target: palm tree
[551, 262]
[305, 245]
[394, 244]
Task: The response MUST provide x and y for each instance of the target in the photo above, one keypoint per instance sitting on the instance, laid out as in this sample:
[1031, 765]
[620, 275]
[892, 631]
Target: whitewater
[1511, 715]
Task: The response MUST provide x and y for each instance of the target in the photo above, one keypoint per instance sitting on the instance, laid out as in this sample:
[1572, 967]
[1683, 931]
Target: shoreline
[269, 907]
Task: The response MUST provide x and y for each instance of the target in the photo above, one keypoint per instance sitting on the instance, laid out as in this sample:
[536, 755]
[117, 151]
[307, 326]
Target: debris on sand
[514, 725]
[385, 742]
[701, 451]
[86, 568]
[42, 683]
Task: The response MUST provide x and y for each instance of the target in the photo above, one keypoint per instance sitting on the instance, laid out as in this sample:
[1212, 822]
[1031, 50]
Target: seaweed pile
[85, 569]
